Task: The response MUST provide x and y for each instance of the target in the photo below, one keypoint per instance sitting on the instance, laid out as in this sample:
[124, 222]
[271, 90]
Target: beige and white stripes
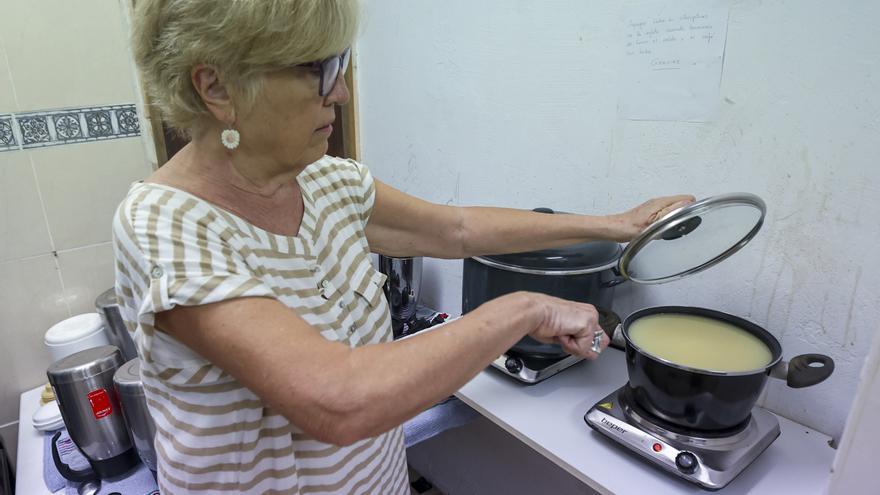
[213, 434]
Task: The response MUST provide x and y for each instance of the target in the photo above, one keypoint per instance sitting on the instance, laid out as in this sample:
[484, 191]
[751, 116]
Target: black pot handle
[71, 474]
[614, 281]
[802, 374]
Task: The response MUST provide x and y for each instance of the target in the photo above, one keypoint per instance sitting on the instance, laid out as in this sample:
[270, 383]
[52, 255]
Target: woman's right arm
[340, 395]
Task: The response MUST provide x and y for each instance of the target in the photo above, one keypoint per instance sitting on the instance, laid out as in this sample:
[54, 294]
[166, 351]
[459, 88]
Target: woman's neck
[271, 201]
[240, 169]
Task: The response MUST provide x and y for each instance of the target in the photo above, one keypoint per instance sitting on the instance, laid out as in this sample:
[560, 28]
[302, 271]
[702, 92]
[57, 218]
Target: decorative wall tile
[50, 128]
[99, 123]
[68, 126]
[34, 130]
[7, 134]
[128, 121]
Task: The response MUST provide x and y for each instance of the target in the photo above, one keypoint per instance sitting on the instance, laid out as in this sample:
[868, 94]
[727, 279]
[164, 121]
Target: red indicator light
[657, 447]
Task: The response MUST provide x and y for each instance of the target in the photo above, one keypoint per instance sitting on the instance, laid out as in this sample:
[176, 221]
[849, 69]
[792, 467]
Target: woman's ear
[217, 99]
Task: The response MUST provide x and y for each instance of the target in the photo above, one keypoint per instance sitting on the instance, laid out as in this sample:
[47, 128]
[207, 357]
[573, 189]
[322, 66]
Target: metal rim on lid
[128, 378]
[534, 271]
[721, 238]
[107, 299]
[575, 259]
[85, 364]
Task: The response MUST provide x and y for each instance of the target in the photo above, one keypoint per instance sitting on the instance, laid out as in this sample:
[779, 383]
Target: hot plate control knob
[513, 365]
[686, 462]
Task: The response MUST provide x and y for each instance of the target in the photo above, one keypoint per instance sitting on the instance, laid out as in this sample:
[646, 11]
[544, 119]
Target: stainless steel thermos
[107, 306]
[403, 284]
[83, 384]
[134, 409]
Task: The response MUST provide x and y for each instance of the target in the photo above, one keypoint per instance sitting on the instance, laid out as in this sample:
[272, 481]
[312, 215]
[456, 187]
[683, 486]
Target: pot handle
[805, 370]
[611, 283]
[71, 474]
[617, 280]
[617, 339]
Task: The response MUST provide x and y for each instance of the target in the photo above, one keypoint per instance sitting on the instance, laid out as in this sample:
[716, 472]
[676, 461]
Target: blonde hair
[243, 39]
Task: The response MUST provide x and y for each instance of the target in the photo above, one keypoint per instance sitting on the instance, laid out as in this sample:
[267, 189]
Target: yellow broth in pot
[699, 342]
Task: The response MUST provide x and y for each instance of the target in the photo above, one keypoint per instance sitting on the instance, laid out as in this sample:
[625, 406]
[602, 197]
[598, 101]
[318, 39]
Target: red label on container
[100, 401]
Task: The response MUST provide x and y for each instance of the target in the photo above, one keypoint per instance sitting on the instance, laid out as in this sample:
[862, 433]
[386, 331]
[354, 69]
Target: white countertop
[29, 470]
[549, 417]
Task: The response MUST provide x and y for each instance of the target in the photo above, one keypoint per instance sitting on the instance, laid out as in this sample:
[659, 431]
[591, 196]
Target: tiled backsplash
[57, 202]
[7, 136]
[50, 128]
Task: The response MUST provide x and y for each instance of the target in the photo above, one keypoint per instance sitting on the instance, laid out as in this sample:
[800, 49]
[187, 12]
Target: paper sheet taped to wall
[672, 58]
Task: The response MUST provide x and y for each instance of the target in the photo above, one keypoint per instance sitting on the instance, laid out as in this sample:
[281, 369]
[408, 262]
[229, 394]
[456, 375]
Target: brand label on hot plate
[613, 427]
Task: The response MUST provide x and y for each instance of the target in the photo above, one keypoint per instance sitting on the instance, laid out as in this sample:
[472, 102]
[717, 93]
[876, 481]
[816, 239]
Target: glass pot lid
[693, 238]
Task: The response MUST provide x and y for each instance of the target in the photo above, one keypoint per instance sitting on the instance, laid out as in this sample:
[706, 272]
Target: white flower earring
[230, 138]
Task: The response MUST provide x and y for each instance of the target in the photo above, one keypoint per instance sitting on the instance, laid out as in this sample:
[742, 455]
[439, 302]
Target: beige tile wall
[7, 94]
[56, 203]
[66, 54]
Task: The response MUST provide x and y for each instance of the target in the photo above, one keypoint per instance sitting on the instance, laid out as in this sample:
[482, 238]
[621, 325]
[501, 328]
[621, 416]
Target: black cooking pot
[582, 272]
[706, 400]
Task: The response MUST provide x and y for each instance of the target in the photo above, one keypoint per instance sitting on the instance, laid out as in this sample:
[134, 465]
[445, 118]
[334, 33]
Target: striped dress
[213, 434]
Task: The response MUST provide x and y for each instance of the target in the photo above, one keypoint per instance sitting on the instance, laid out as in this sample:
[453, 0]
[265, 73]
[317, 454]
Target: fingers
[576, 346]
[582, 346]
[583, 337]
[574, 326]
[686, 198]
[671, 203]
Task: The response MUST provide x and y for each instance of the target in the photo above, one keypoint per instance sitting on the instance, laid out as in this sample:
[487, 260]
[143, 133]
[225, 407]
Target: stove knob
[686, 462]
[513, 365]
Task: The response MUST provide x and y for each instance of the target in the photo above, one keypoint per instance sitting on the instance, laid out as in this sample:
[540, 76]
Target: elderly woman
[244, 271]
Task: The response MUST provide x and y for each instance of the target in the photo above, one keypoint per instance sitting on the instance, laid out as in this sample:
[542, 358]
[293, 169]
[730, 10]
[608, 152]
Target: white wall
[855, 466]
[513, 103]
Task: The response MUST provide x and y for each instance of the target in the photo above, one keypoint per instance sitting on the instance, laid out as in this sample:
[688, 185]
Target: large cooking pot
[582, 272]
[708, 400]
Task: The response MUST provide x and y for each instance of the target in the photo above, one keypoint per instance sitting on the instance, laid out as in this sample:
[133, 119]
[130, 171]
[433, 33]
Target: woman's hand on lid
[572, 325]
[631, 223]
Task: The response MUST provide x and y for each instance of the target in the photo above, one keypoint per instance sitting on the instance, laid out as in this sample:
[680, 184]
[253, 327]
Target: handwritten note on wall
[672, 59]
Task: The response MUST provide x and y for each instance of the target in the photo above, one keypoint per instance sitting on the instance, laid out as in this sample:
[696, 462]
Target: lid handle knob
[682, 230]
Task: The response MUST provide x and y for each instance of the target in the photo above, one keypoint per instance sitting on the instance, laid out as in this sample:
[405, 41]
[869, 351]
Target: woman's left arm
[403, 225]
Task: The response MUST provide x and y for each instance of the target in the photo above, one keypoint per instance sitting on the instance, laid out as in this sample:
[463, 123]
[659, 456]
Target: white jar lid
[74, 328]
[48, 417]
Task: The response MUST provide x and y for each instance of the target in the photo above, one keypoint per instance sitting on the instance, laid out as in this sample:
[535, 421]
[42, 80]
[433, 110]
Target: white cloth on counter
[451, 413]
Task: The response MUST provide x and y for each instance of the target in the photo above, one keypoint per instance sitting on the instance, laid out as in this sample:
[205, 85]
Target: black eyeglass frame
[330, 69]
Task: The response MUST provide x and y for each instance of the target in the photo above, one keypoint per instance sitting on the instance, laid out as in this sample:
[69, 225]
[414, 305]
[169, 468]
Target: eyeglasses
[330, 69]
